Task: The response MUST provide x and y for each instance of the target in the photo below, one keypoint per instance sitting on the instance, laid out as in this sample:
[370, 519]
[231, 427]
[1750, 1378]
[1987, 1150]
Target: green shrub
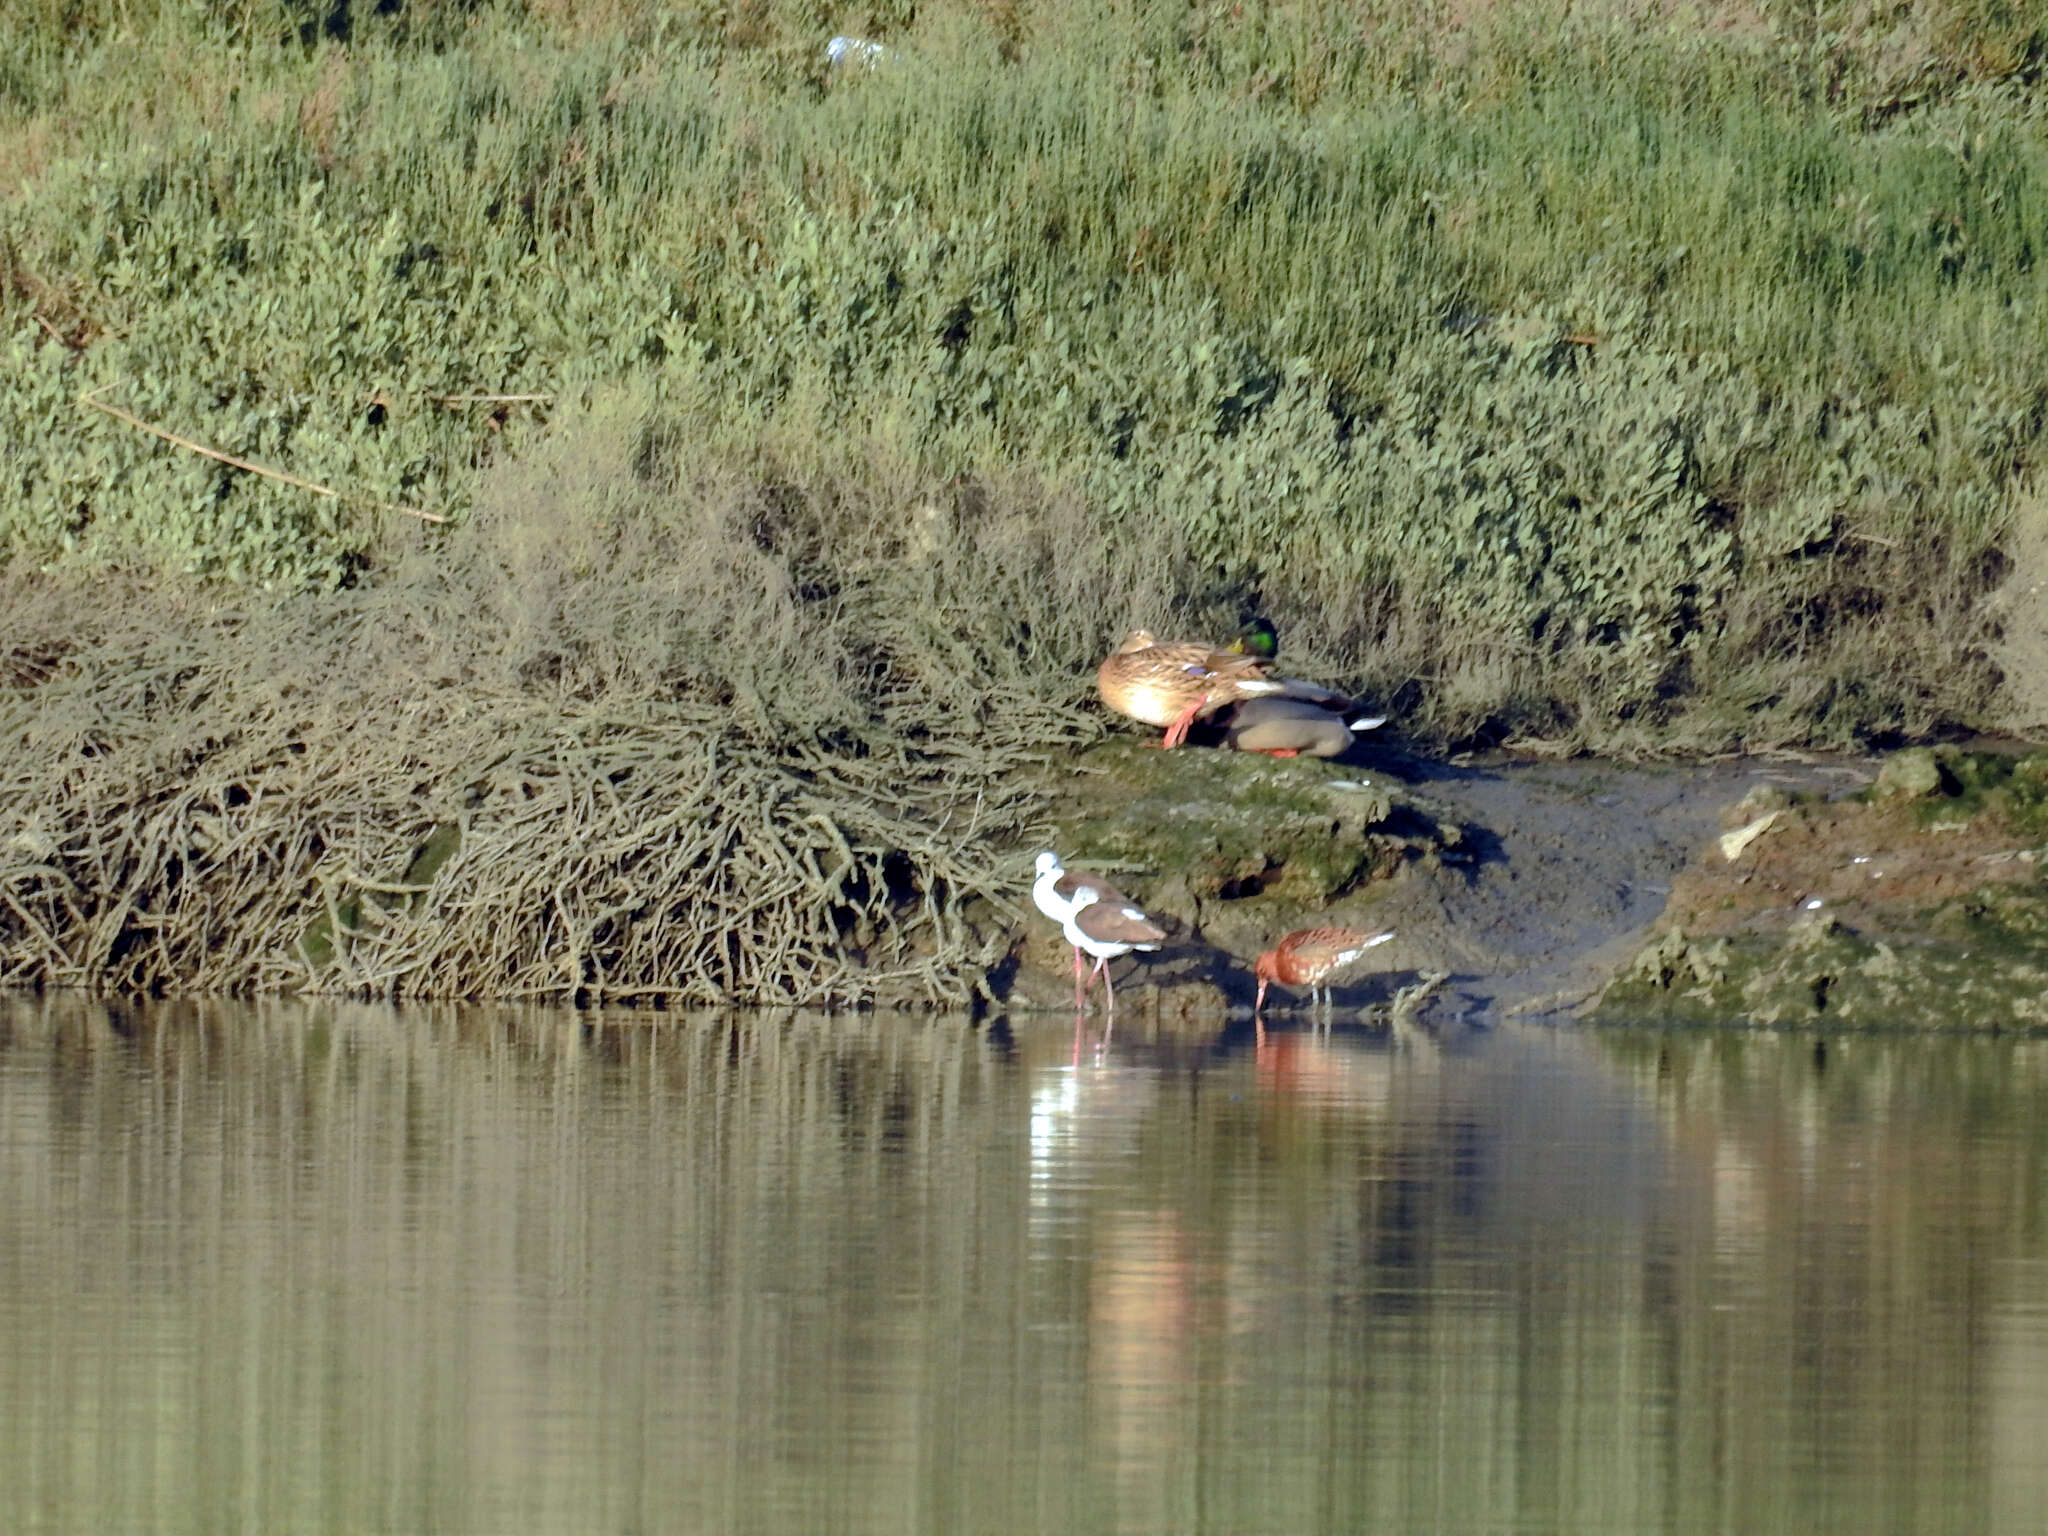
[1578, 367]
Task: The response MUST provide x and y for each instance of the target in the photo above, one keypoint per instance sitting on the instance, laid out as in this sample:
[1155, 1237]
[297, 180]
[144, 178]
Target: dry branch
[220, 805]
[254, 468]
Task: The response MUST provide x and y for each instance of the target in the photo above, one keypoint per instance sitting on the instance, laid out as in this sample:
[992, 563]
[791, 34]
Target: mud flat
[1520, 883]
[1900, 892]
[1918, 903]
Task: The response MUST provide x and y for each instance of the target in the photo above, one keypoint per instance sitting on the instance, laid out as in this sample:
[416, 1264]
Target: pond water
[278, 1268]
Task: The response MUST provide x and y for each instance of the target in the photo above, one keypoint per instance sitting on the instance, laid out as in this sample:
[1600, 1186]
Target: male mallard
[1258, 638]
[1290, 727]
[1173, 683]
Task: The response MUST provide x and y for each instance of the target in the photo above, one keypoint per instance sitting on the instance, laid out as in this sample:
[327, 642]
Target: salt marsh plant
[623, 753]
[1569, 365]
[806, 432]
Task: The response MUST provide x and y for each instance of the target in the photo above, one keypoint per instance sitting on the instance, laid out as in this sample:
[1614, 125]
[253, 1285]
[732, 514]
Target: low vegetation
[611, 761]
[1635, 377]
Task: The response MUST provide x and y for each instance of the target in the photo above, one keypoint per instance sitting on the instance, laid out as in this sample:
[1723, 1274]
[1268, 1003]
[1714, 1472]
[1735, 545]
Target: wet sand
[1573, 864]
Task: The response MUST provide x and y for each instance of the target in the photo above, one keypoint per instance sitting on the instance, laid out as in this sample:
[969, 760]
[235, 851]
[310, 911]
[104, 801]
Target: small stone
[1761, 801]
[1914, 773]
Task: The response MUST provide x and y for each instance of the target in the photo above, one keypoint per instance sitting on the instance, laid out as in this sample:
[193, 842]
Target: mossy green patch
[316, 946]
[1949, 784]
[436, 851]
[1302, 831]
[1981, 966]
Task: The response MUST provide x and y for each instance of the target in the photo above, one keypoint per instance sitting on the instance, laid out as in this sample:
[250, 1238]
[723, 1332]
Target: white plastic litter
[855, 50]
[1732, 843]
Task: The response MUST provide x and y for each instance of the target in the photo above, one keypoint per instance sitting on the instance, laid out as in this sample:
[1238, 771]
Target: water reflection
[282, 1267]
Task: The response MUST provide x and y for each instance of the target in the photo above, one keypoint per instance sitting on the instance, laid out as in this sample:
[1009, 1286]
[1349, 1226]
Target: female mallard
[1173, 683]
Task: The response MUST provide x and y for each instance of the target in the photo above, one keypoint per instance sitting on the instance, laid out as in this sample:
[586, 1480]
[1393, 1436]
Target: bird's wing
[1116, 923]
[1088, 888]
[1330, 946]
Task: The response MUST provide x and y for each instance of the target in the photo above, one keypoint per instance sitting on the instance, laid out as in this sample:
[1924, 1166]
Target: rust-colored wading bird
[1173, 683]
[1097, 917]
[1308, 956]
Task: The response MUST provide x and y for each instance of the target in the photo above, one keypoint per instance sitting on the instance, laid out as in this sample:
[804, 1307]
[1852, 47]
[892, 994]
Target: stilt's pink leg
[1080, 989]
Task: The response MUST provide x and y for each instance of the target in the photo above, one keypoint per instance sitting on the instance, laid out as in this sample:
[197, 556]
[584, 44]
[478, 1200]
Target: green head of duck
[1258, 638]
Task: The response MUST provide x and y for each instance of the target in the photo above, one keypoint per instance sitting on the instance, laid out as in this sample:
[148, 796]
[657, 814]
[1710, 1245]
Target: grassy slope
[1571, 372]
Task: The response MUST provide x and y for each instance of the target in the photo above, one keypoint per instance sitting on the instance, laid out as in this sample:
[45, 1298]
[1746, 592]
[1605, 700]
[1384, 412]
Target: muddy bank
[1521, 884]
[469, 783]
[1900, 892]
[1917, 902]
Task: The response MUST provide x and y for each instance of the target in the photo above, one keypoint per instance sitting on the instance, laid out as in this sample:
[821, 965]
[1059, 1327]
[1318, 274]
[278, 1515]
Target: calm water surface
[280, 1268]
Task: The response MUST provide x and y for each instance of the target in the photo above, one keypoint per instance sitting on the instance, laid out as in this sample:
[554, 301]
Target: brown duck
[1174, 683]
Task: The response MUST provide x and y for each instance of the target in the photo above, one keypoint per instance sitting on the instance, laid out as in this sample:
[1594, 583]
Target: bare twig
[231, 795]
[255, 469]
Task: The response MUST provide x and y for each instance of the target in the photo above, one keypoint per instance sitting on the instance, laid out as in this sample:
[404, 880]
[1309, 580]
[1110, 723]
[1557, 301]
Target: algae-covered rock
[1232, 826]
[1914, 774]
[1672, 959]
[1919, 905]
[1823, 972]
[1956, 783]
